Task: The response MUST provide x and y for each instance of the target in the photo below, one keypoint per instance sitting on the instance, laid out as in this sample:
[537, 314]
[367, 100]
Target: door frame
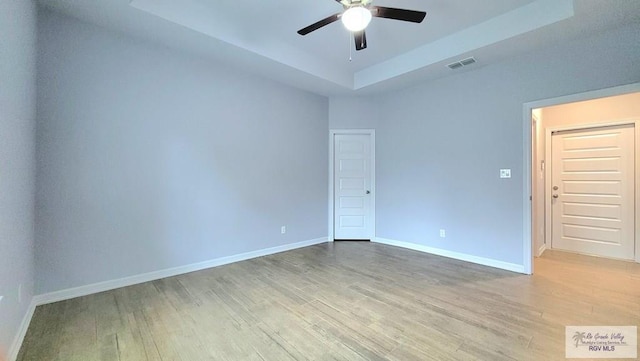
[332, 134]
[527, 214]
[548, 229]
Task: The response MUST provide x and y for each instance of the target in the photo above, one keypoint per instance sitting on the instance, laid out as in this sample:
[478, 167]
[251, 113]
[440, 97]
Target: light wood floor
[345, 301]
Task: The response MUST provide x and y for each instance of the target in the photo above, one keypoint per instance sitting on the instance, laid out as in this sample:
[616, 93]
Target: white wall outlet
[443, 233]
[283, 229]
[505, 173]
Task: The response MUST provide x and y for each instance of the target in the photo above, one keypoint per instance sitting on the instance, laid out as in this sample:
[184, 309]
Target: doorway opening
[584, 207]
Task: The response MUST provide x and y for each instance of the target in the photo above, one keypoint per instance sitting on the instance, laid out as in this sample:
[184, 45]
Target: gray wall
[150, 159]
[440, 145]
[17, 162]
[353, 112]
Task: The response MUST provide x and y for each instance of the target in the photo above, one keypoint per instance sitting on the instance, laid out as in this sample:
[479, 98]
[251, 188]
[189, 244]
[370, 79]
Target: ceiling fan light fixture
[356, 18]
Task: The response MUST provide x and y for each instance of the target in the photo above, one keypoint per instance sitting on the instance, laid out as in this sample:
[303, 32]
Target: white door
[352, 180]
[593, 191]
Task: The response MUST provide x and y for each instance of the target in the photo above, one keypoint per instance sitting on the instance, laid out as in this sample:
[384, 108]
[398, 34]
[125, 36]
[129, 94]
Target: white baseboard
[455, 255]
[170, 272]
[541, 250]
[22, 331]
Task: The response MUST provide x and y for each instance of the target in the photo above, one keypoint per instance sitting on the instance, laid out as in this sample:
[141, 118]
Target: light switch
[505, 173]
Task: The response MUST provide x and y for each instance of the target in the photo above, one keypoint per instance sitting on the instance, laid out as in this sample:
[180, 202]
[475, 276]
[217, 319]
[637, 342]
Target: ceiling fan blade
[315, 26]
[398, 14]
[361, 40]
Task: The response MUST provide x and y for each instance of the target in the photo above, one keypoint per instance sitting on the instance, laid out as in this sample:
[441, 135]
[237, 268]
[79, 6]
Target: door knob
[555, 196]
[368, 192]
[555, 188]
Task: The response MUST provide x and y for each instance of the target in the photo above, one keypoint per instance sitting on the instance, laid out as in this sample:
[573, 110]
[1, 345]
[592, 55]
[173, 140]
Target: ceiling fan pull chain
[350, 47]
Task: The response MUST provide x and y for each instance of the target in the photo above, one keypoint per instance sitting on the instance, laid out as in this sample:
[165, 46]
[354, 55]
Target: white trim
[527, 202]
[547, 186]
[22, 332]
[330, 218]
[451, 254]
[372, 134]
[637, 192]
[535, 192]
[527, 239]
[591, 126]
[541, 250]
[170, 272]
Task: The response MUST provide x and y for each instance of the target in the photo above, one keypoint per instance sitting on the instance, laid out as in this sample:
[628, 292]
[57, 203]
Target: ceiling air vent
[461, 63]
[468, 61]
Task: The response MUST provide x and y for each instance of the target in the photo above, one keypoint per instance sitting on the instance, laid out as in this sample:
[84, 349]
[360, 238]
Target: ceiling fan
[358, 13]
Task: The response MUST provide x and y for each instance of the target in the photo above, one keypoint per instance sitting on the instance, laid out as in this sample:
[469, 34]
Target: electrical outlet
[443, 233]
[283, 229]
[505, 173]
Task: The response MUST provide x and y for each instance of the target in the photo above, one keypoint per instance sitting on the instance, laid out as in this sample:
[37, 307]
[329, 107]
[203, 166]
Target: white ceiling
[260, 36]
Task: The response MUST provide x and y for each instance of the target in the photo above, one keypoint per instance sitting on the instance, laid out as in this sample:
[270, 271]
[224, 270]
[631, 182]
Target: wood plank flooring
[342, 301]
